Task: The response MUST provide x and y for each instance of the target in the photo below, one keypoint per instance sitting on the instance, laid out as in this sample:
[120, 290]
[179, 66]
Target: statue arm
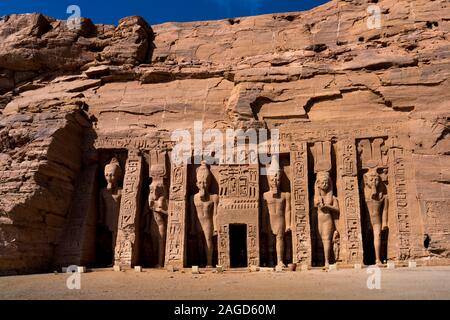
[264, 215]
[336, 212]
[384, 223]
[215, 212]
[336, 207]
[191, 215]
[288, 214]
[165, 206]
[317, 200]
[147, 213]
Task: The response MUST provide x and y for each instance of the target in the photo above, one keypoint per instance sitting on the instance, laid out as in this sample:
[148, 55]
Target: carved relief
[126, 249]
[300, 205]
[400, 203]
[176, 235]
[347, 173]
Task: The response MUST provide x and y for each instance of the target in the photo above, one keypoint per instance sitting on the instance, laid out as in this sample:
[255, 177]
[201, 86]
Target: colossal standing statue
[277, 205]
[204, 208]
[377, 207]
[327, 212]
[110, 198]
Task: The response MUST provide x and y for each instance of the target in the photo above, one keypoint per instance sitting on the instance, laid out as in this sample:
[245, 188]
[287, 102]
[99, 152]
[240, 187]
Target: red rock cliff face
[324, 66]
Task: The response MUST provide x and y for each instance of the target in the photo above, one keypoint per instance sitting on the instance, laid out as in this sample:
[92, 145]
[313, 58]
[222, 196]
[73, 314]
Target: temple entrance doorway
[238, 245]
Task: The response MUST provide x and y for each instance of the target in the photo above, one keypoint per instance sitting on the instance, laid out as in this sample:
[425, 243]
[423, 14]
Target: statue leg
[209, 250]
[271, 242]
[113, 245]
[280, 249]
[162, 244]
[208, 230]
[377, 242]
[326, 250]
[326, 234]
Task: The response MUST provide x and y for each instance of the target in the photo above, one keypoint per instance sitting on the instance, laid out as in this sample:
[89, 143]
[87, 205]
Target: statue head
[157, 190]
[203, 179]
[157, 196]
[323, 181]
[113, 173]
[372, 180]
[274, 175]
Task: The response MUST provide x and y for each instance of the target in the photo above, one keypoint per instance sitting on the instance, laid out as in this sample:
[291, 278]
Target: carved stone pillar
[397, 176]
[126, 251]
[348, 192]
[176, 225]
[301, 234]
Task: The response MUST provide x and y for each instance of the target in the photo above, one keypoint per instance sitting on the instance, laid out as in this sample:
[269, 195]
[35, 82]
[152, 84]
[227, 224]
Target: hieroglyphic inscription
[400, 203]
[350, 205]
[300, 204]
[127, 143]
[126, 249]
[175, 244]
[223, 245]
[289, 135]
[252, 245]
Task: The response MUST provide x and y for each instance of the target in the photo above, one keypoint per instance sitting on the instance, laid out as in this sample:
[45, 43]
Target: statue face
[274, 182]
[156, 191]
[323, 183]
[372, 181]
[111, 175]
[202, 183]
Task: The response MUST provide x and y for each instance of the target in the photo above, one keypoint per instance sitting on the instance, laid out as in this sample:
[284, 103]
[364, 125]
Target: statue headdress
[203, 172]
[115, 165]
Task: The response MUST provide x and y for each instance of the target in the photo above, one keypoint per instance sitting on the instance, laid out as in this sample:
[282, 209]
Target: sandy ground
[401, 283]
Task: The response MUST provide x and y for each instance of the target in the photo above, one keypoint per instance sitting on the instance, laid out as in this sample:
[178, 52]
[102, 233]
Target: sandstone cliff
[320, 66]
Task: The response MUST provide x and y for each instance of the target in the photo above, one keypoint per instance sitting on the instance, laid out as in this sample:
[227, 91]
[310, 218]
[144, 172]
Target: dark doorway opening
[238, 245]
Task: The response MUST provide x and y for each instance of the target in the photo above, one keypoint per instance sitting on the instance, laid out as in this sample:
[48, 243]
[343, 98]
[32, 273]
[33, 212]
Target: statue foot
[327, 265]
[209, 267]
[378, 263]
[281, 264]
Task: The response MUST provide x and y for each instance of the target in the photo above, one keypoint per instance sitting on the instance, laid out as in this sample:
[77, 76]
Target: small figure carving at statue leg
[336, 245]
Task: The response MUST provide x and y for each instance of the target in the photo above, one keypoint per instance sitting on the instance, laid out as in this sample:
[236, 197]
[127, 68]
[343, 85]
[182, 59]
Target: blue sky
[156, 11]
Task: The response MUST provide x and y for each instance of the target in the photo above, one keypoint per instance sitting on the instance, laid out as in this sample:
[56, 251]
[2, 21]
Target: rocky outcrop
[40, 162]
[317, 67]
